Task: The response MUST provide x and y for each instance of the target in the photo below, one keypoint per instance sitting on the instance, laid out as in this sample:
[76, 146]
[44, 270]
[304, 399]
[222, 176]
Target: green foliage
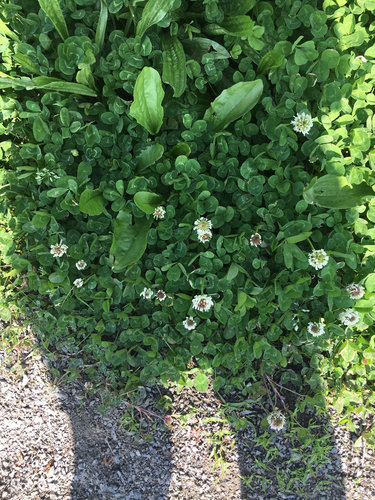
[110, 110]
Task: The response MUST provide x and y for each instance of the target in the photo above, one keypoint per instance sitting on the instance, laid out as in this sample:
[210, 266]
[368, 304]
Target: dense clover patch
[126, 123]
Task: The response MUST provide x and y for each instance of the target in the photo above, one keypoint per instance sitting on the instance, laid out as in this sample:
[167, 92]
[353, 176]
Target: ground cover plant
[187, 191]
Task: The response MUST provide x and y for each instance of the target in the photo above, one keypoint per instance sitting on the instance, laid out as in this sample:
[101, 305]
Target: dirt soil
[56, 445]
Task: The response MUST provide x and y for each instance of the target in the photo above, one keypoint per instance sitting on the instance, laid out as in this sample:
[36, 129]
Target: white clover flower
[276, 420]
[74, 152]
[159, 213]
[316, 329]
[205, 236]
[202, 302]
[78, 282]
[147, 293]
[255, 240]
[318, 259]
[362, 58]
[161, 295]
[80, 265]
[59, 249]
[302, 123]
[349, 317]
[202, 225]
[189, 323]
[355, 291]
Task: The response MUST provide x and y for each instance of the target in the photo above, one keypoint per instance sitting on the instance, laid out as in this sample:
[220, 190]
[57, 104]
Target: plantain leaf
[102, 24]
[271, 60]
[129, 241]
[233, 103]
[153, 12]
[6, 31]
[53, 10]
[235, 26]
[25, 61]
[174, 64]
[148, 96]
[332, 191]
[197, 47]
[236, 7]
[147, 202]
[57, 85]
[149, 156]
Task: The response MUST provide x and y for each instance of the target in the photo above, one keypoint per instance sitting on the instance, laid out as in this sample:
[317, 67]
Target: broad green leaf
[147, 202]
[25, 61]
[148, 96]
[235, 26]
[6, 31]
[40, 129]
[53, 10]
[233, 103]
[91, 202]
[333, 191]
[129, 241]
[201, 382]
[174, 64]
[153, 12]
[57, 85]
[271, 60]
[236, 7]
[102, 24]
[149, 156]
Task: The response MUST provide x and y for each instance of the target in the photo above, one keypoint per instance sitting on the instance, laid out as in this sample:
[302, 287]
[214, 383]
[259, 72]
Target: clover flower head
[80, 265]
[161, 295]
[255, 240]
[59, 249]
[276, 420]
[189, 323]
[159, 213]
[74, 152]
[202, 302]
[205, 236]
[349, 317]
[302, 123]
[316, 329]
[202, 225]
[318, 259]
[355, 291]
[168, 420]
[147, 293]
[78, 282]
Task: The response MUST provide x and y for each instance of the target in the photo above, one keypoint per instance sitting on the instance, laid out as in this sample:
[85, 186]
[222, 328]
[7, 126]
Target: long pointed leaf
[53, 10]
[6, 31]
[174, 64]
[54, 84]
[102, 24]
[235, 26]
[153, 12]
[25, 61]
[129, 242]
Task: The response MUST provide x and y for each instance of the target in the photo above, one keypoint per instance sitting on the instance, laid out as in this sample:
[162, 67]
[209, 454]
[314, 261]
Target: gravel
[56, 445]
